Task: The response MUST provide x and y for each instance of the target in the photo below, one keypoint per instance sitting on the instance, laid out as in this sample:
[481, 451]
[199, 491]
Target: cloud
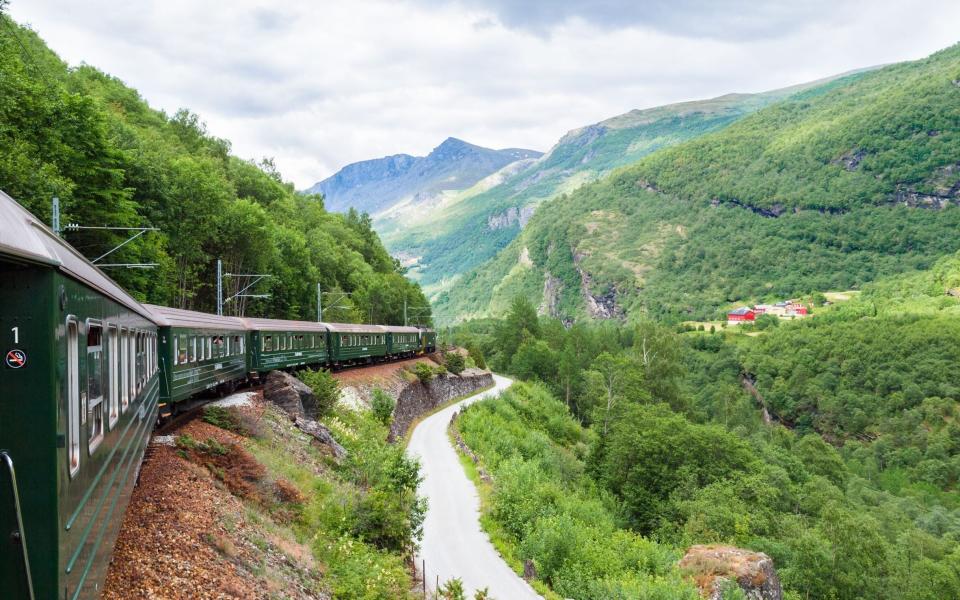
[721, 19]
[320, 85]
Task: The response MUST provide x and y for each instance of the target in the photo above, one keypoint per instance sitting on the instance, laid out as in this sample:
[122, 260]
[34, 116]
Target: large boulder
[715, 566]
[290, 394]
[322, 435]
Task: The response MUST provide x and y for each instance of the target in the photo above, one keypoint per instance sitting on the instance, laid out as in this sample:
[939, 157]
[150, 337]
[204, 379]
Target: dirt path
[454, 545]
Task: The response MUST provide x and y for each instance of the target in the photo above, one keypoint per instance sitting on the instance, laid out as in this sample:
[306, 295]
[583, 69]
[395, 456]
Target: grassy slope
[456, 238]
[673, 253]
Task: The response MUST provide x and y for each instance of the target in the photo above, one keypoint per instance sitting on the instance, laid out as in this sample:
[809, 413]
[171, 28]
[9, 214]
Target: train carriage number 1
[16, 358]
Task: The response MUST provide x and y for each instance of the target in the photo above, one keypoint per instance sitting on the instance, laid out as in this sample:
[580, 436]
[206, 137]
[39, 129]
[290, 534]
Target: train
[89, 371]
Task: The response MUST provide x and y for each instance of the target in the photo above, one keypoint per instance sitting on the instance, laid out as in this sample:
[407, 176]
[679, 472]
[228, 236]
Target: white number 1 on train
[16, 335]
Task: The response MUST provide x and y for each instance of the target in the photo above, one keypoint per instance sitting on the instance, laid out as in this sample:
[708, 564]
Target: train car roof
[24, 236]
[178, 317]
[284, 325]
[355, 328]
[400, 329]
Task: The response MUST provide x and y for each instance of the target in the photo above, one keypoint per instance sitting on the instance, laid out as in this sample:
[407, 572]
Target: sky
[318, 85]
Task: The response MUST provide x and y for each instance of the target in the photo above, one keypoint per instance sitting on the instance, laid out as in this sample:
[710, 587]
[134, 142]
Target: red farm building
[741, 314]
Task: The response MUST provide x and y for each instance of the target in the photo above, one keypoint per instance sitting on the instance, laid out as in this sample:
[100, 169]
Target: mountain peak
[374, 185]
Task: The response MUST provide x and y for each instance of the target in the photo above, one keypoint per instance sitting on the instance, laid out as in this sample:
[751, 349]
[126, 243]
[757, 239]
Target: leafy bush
[454, 362]
[325, 387]
[382, 405]
[452, 589]
[477, 355]
[424, 372]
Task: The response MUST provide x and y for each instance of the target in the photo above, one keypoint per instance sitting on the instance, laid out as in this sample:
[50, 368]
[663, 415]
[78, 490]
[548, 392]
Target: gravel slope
[454, 545]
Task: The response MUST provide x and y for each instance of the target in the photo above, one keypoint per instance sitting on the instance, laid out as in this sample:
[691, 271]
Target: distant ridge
[375, 185]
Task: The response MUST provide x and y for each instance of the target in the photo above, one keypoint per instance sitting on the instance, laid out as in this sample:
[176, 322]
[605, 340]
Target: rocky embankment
[417, 399]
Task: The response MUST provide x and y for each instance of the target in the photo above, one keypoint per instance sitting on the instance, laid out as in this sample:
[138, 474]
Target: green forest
[83, 136]
[627, 443]
[829, 189]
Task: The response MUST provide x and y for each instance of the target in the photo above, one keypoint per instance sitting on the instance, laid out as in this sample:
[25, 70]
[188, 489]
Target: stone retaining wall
[417, 399]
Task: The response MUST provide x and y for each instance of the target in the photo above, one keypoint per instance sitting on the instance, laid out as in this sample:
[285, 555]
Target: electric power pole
[56, 216]
[255, 278]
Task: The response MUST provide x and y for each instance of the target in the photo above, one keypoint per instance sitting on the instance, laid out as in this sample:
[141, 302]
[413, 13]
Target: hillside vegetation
[828, 189]
[85, 137]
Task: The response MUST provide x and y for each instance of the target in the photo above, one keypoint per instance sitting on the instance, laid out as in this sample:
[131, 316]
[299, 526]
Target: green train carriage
[402, 341]
[79, 399]
[280, 344]
[198, 352]
[352, 343]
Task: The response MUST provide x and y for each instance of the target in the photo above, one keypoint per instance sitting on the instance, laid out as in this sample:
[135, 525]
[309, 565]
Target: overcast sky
[321, 84]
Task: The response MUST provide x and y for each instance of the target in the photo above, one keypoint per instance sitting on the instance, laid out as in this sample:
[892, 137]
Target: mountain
[829, 188]
[374, 185]
[468, 228]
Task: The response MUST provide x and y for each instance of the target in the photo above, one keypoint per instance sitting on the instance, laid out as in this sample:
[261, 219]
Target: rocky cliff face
[417, 399]
[510, 217]
[375, 185]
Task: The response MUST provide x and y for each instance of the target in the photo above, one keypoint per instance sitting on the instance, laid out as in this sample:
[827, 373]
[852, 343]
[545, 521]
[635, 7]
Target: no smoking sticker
[16, 359]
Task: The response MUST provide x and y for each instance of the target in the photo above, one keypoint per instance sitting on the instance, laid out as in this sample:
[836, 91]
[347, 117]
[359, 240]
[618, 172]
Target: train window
[192, 349]
[113, 373]
[73, 396]
[124, 369]
[267, 343]
[237, 345]
[94, 385]
[138, 360]
[180, 349]
[132, 365]
[283, 342]
[142, 351]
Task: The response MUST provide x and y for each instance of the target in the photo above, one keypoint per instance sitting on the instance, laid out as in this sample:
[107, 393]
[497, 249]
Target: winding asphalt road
[454, 545]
